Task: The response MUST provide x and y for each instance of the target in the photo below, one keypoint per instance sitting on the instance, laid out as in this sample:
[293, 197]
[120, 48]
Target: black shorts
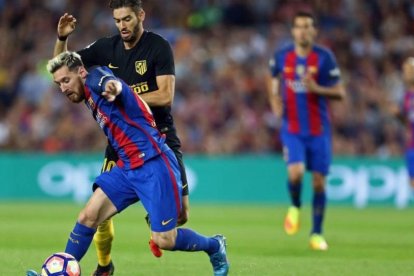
[172, 140]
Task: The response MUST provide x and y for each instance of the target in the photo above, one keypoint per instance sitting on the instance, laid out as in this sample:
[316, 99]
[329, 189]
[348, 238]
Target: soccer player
[147, 169]
[406, 114]
[304, 76]
[144, 60]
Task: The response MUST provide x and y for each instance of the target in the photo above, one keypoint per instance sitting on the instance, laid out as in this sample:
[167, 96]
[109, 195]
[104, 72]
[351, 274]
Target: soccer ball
[61, 264]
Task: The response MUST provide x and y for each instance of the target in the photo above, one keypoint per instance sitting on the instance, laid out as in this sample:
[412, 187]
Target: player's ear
[82, 72]
[141, 15]
[315, 32]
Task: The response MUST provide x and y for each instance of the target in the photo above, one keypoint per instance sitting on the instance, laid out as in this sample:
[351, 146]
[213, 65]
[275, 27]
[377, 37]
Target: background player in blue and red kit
[304, 77]
[406, 114]
[147, 168]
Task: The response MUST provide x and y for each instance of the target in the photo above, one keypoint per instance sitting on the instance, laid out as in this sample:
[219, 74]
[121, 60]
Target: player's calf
[165, 240]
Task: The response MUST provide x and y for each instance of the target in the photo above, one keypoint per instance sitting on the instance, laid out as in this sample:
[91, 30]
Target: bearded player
[304, 77]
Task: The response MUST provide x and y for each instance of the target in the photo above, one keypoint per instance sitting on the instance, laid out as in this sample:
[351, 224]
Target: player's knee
[318, 183]
[296, 173]
[295, 177]
[88, 217]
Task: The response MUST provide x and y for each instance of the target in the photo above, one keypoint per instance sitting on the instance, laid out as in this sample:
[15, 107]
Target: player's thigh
[319, 154]
[293, 148]
[160, 192]
[117, 187]
[293, 154]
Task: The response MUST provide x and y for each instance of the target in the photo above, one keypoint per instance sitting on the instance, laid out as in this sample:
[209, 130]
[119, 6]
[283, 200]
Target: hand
[310, 83]
[112, 89]
[278, 107]
[66, 25]
[183, 217]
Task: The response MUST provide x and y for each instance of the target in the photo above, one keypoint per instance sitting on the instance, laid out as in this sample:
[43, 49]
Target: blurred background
[221, 51]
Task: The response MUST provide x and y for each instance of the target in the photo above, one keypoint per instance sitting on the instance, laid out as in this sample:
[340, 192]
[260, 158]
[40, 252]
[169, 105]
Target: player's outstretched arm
[66, 26]
[164, 95]
[112, 89]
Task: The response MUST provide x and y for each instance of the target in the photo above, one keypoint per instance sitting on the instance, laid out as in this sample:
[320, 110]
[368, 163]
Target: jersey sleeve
[92, 54]
[274, 66]
[330, 70]
[164, 61]
[98, 79]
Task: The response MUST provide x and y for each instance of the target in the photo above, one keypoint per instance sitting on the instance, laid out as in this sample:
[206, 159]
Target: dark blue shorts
[157, 184]
[409, 161]
[314, 151]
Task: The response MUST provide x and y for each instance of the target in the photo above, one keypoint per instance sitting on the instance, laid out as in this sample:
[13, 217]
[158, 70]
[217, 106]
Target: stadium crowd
[221, 53]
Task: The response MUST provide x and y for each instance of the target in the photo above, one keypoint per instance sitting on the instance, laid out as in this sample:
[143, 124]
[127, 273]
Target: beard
[305, 43]
[75, 98]
[77, 95]
[134, 35]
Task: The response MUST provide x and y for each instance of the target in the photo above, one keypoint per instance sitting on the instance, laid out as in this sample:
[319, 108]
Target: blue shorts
[157, 184]
[409, 161]
[314, 151]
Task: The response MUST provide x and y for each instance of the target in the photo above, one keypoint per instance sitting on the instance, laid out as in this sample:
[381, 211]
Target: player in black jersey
[144, 60]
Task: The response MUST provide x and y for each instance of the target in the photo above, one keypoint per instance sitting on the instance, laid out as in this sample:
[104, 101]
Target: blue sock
[79, 240]
[295, 190]
[188, 240]
[319, 202]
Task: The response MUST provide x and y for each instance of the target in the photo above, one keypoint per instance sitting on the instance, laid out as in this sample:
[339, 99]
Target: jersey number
[107, 166]
[141, 88]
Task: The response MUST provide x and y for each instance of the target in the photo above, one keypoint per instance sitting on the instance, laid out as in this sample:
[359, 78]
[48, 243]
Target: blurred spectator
[221, 52]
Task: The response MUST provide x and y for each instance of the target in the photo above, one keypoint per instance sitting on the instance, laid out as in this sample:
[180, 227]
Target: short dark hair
[306, 15]
[135, 5]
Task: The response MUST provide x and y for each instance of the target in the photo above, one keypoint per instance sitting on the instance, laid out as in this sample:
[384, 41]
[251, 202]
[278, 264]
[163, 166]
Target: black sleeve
[92, 54]
[164, 62]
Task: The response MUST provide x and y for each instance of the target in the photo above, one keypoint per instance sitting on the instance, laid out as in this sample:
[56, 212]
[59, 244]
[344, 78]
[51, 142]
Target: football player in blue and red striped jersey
[304, 77]
[147, 168]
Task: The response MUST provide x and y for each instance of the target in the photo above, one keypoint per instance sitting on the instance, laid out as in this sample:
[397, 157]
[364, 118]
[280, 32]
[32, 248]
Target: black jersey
[138, 67]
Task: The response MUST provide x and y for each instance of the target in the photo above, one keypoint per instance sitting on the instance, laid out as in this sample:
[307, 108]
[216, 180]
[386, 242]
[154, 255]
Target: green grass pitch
[374, 241]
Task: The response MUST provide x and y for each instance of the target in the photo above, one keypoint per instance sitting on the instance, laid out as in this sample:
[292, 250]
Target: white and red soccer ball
[61, 264]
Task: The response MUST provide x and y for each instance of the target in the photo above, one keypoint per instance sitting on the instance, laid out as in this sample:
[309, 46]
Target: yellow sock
[103, 242]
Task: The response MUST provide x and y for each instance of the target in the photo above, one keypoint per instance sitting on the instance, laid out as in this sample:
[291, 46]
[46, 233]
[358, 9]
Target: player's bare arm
[112, 89]
[275, 100]
[336, 92]
[164, 95]
[66, 26]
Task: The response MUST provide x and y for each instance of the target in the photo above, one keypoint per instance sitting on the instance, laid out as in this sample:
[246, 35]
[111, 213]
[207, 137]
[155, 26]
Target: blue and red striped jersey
[408, 111]
[304, 112]
[127, 121]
